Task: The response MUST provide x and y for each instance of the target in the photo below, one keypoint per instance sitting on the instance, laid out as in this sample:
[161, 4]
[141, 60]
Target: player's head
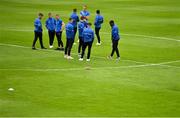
[57, 16]
[40, 15]
[111, 22]
[49, 14]
[70, 20]
[84, 7]
[75, 10]
[97, 11]
[89, 24]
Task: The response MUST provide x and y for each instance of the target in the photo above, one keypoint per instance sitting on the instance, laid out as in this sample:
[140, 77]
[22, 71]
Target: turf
[145, 82]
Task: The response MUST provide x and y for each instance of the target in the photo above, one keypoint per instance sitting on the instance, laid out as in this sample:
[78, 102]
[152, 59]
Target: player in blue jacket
[38, 31]
[69, 39]
[81, 26]
[75, 18]
[115, 40]
[98, 21]
[51, 25]
[84, 13]
[59, 28]
[88, 37]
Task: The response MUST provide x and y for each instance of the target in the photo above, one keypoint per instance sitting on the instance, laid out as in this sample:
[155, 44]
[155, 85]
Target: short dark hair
[40, 14]
[111, 22]
[57, 14]
[74, 10]
[98, 11]
[89, 24]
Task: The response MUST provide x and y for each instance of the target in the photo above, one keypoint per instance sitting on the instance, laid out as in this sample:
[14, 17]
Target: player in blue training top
[38, 31]
[59, 29]
[51, 25]
[84, 13]
[81, 25]
[98, 21]
[75, 18]
[115, 40]
[88, 37]
[69, 39]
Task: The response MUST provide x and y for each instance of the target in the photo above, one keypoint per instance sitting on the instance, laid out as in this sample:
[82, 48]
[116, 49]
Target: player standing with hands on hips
[88, 37]
[115, 40]
[38, 31]
[51, 25]
[59, 28]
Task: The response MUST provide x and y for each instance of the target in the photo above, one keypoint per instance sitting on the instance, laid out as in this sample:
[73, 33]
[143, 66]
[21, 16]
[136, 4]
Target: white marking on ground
[126, 34]
[89, 68]
[146, 36]
[19, 46]
[117, 67]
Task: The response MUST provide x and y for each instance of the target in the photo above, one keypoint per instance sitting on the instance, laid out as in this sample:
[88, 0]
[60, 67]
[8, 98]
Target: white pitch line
[144, 64]
[147, 36]
[19, 46]
[126, 34]
[85, 68]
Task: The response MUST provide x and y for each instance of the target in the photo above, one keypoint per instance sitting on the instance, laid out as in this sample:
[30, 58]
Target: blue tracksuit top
[81, 27]
[98, 21]
[84, 13]
[69, 31]
[75, 18]
[51, 24]
[58, 25]
[85, 23]
[115, 33]
[37, 25]
[88, 35]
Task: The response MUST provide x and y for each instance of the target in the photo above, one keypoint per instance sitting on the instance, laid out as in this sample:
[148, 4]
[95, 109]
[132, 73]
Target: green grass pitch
[145, 82]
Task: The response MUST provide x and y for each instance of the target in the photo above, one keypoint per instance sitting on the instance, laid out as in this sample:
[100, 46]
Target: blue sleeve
[37, 23]
[95, 22]
[77, 19]
[102, 19]
[54, 22]
[114, 32]
[88, 14]
[81, 13]
[71, 16]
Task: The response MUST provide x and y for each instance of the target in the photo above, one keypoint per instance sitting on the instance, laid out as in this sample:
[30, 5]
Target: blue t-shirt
[37, 25]
[75, 18]
[88, 35]
[81, 27]
[84, 13]
[58, 25]
[98, 21]
[115, 33]
[51, 24]
[69, 31]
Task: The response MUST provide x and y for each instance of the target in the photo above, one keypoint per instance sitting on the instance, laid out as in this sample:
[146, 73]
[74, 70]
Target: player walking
[115, 40]
[59, 28]
[38, 31]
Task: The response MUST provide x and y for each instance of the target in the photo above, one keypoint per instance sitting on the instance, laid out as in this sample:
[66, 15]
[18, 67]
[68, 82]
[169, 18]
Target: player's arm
[63, 26]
